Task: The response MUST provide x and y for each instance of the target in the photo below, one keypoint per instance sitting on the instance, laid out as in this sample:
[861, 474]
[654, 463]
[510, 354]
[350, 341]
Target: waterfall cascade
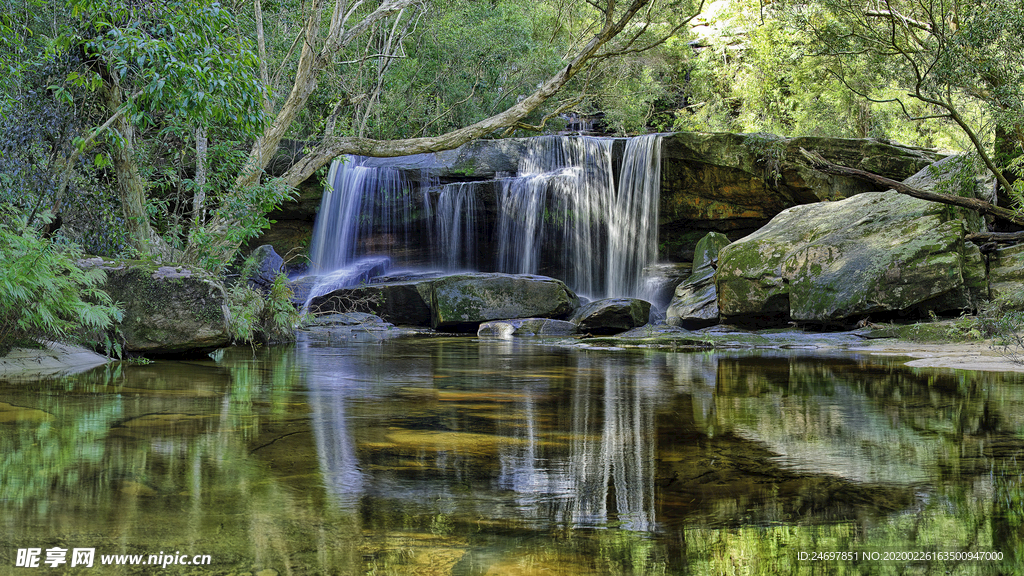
[569, 212]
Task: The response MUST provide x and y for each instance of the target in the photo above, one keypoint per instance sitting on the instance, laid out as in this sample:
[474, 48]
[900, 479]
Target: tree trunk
[200, 195]
[130, 186]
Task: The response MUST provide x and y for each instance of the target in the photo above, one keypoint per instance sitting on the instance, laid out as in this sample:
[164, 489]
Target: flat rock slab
[54, 359]
[526, 327]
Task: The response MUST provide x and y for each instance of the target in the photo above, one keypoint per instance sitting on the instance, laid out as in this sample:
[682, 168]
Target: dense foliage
[46, 294]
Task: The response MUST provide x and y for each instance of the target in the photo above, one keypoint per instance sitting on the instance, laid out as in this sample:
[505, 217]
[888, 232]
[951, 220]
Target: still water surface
[464, 457]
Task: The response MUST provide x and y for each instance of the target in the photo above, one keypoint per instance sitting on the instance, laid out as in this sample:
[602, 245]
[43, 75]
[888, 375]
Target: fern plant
[44, 293]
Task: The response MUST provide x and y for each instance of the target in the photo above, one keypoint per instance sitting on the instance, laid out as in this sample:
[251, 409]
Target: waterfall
[364, 211]
[569, 212]
[455, 226]
[598, 231]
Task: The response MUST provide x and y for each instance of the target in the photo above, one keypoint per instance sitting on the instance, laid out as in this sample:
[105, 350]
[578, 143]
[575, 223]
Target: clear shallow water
[461, 457]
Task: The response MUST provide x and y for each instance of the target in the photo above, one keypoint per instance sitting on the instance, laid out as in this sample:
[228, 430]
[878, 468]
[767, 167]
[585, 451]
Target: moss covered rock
[695, 303]
[168, 310]
[462, 302]
[735, 183]
[834, 262]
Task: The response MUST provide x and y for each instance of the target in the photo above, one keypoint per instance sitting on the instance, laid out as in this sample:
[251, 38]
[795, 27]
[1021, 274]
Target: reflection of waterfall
[607, 474]
[566, 213]
[332, 386]
[335, 448]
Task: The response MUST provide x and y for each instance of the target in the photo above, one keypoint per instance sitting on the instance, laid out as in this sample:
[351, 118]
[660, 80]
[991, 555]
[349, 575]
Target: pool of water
[454, 456]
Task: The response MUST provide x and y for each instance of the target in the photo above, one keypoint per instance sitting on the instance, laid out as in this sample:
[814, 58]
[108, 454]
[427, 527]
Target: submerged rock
[611, 315]
[835, 262]
[463, 301]
[695, 303]
[526, 327]
[168, 310]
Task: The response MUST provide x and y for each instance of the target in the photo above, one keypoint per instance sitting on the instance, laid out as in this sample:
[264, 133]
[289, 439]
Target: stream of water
[453, 456]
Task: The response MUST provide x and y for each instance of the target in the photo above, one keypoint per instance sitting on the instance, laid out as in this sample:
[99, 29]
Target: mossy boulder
[735, 183]
[169, 310]
[1006, 276]
[836, 262]
[611, 315]
[695, 303]
[462, 302]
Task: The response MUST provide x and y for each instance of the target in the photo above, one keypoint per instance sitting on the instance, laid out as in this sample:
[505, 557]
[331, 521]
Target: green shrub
[259, 317]
[44, 294]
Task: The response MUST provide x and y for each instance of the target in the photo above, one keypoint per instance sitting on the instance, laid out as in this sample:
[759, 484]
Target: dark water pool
[462, 457]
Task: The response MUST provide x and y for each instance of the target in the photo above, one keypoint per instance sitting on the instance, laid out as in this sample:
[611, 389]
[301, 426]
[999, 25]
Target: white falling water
[455, 225]
[565, 205]
[568, 213]
[359, 201]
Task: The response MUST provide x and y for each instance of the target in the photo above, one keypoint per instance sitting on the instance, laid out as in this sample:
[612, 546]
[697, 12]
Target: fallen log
[822, 165]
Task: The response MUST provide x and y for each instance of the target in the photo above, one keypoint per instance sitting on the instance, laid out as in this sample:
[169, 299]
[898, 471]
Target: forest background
[140, 129]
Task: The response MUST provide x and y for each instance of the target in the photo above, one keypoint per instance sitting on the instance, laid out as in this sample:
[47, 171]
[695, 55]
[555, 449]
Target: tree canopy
[162, 117]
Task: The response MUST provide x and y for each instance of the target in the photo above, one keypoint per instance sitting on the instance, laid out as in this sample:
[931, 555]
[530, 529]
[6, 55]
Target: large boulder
[1006, 276]
[695, 303]
[611, 315]
[735, 183]
[836, 262]
[462, 302]
[168, 310]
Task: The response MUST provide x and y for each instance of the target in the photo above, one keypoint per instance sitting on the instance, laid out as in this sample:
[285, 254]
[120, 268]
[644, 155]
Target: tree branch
[822, 165]
[334, 147]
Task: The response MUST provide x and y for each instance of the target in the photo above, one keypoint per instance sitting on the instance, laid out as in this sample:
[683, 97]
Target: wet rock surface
[526, 327]
[611, 315]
